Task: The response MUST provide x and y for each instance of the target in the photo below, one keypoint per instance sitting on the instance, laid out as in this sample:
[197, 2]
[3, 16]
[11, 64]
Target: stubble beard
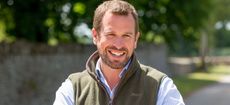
[114, 64]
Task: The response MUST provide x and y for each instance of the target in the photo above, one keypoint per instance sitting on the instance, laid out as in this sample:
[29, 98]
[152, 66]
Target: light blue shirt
[103, 80]
[167, 94]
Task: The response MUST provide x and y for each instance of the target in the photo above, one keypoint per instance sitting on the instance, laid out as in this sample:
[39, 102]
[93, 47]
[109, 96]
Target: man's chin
[116, 65]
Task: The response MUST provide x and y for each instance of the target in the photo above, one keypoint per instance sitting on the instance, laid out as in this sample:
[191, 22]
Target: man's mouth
[117, 53]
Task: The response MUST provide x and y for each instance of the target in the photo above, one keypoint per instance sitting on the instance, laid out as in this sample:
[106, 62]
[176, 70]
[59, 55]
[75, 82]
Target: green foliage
[79, 8]
[222, 10]
[175, 22]
[3, 34]
[220, 51]
[178, 22]
[222, 37]
[41, 20]
[222, 27]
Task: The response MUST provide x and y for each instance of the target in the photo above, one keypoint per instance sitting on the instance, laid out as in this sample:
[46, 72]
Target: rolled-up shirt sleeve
[64, 95]
[168, 93]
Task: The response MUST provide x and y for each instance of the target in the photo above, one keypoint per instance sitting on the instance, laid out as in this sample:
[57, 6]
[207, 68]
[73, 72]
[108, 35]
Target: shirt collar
[100, 74]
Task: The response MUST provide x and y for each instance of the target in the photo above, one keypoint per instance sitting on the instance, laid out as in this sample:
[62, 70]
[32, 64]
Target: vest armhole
[76, 79]
[156, 76]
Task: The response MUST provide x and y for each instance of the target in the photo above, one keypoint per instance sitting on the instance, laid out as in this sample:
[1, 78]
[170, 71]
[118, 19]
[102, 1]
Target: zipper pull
[110, 101]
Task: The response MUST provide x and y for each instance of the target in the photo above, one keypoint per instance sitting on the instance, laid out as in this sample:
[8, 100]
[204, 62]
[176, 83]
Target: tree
[175, 22]
[222, 23]
[39, 20]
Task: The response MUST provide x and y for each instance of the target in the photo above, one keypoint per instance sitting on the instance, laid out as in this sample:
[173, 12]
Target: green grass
[221, 69]
[194, 81]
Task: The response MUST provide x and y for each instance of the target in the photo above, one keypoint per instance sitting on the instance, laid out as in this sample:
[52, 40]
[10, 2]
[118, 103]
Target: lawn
[194, 81]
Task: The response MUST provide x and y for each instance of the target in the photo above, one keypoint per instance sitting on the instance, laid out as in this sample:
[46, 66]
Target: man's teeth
[117, 54]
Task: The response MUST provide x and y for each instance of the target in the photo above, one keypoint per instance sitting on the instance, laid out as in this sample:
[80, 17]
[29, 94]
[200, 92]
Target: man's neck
[111, 75]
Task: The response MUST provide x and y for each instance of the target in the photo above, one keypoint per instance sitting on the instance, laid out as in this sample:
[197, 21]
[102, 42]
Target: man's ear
[136, 39]
[94, 35]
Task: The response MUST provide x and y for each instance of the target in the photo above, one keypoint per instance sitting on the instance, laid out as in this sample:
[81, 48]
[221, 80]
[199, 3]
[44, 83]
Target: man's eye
[127, 36]
[110, 35]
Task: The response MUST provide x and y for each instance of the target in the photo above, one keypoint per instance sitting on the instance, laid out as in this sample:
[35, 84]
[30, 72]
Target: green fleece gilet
[139, 86]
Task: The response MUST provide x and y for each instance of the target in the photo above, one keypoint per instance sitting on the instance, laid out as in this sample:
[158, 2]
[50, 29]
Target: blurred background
[43, 41]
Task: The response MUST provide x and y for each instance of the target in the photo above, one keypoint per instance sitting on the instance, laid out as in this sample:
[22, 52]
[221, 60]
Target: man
[113, 76]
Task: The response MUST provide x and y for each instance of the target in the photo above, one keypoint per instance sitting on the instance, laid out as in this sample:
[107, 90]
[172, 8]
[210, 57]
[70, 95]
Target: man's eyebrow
[113, 32]
[129, 33]
[109, 31]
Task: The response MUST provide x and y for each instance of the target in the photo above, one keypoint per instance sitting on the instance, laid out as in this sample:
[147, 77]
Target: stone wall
[31, 73]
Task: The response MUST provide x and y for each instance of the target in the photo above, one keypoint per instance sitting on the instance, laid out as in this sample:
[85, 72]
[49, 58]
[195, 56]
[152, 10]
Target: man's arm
[168, 93]
[64, 95]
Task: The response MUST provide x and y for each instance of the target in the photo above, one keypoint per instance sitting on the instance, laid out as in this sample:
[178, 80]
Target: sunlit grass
[194, 81]
[221, 69]
[205, 76]
[187, 85]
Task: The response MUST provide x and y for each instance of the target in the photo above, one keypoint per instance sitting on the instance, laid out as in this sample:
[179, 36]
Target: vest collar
[91, 66]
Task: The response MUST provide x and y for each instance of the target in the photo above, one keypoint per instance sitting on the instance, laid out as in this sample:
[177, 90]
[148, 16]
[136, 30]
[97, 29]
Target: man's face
[116, 40]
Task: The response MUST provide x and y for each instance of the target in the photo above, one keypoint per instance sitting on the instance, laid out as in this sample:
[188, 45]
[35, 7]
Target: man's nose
[119, 42]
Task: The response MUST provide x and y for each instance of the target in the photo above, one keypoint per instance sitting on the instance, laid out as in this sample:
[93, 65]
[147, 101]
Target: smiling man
[113, 75]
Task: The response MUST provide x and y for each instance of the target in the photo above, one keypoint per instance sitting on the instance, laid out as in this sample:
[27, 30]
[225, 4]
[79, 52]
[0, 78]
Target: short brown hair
[118, 7]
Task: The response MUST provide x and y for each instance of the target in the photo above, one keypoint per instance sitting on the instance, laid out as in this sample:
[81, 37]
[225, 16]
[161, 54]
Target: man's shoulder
[152, 72]
[79, 76]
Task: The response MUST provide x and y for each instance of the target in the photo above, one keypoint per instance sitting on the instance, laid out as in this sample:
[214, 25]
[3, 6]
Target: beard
[114, 64]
